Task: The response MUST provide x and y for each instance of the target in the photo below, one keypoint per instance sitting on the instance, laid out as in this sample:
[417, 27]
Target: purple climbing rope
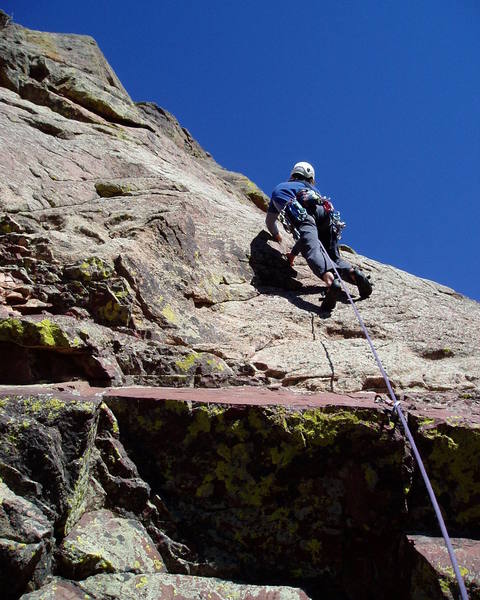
[398, 410]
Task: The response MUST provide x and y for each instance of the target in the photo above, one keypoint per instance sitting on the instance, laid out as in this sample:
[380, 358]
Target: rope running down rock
[397, 409]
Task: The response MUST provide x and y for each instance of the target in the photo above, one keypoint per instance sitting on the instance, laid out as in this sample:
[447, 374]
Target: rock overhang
[307, 479]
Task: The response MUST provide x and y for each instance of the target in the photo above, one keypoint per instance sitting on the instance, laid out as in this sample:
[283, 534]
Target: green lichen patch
[170, 315]
[452, 453]
[202, 363]
[110, 189]
[371, 476]
[24, 415]
[448, 581]
[200, 424]
[176, 406]
[89, 269]
[283, 484]
[8, 225]
[188, 362]
[51, 408]
[253, 193]
[102, 542]
[37, 334]
[114, 310]
[150, 423]
[78, 497]
[316, 427]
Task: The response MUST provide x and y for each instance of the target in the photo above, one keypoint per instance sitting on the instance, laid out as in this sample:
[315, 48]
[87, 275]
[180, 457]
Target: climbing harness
[336, 222]
[397, 411]
[291, 215]
[289, 228]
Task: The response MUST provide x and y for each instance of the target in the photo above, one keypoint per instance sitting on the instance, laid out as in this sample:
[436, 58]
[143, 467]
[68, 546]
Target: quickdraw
[335, 219]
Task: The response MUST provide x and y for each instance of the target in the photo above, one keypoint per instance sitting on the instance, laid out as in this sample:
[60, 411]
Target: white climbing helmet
[304, 169]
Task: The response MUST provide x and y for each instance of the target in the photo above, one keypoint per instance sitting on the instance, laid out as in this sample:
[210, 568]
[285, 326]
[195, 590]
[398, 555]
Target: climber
[311, 219]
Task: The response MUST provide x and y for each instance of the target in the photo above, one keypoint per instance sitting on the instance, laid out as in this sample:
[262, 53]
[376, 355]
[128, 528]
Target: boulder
[101, 542]
[310, 491]
[449, 442]
[277, 491]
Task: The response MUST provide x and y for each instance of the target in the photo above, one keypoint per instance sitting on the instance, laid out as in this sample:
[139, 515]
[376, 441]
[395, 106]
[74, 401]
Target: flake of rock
[151, 587]
[45, 442]
[33, 306]
[435, 567]
[26, 540]
[14, 298]
[102, 542]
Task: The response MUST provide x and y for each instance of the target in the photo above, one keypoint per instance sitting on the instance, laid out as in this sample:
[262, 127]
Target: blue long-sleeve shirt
[281, 195]
[286, 191]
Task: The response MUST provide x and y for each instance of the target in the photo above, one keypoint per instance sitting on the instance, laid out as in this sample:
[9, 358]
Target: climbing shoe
[333, 294]
[363, 283]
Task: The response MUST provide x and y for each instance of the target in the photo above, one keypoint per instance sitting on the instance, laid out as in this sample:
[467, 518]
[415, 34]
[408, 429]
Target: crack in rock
[332, 376]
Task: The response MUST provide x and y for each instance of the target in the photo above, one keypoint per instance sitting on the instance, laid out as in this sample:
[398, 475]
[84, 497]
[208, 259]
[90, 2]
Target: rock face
[117, 227]
[294, 491]
[312, 492]
[128, 256]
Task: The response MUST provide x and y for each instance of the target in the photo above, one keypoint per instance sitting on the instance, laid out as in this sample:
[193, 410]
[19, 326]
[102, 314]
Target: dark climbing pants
[315, 229]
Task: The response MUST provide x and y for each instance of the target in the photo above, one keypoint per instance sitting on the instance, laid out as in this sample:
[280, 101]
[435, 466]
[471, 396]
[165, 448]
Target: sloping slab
[102, 542]
[435, 553]
[152, 587]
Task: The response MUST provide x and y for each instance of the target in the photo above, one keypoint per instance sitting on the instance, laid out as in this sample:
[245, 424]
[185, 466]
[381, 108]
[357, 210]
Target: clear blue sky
[382, 96]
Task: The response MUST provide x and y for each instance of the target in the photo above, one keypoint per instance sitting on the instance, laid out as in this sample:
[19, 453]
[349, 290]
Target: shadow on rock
[273, 275]
[270, 268]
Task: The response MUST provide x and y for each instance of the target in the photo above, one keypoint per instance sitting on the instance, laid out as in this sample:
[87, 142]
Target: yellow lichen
[188, 362]
[169, 314]
[35, 334]
[314, 546]
[205, 489]
[142, 582]
[158, 564]
[201, 424]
